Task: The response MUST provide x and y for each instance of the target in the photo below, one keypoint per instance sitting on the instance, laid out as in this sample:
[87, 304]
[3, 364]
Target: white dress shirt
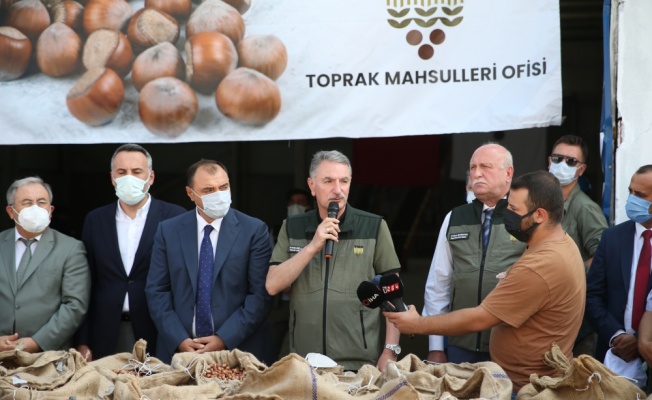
[631, 369]
[638, 246]
[437, 296]
[129, 234]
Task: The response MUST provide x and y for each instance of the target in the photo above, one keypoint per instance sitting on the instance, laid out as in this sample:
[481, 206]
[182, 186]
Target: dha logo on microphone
[419, 17]
[391, 288]
[367, 302]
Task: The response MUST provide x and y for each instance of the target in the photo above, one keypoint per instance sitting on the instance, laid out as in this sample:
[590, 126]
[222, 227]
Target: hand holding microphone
[387, 292]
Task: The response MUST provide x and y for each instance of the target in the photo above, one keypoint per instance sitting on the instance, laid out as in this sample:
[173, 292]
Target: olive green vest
[326, 315]
[474, 272]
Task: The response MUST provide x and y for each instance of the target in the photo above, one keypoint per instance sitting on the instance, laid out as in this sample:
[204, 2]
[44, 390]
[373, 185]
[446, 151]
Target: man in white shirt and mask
[44, 276]
[119, 238]
[583, 219]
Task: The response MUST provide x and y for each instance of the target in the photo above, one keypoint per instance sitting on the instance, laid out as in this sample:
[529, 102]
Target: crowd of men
[528, 262]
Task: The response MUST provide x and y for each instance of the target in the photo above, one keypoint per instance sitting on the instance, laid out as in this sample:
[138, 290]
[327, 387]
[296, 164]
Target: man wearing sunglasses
[583, 218]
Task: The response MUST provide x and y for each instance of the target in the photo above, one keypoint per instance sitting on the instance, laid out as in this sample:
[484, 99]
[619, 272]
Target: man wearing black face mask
[539, 300]
[619, 279]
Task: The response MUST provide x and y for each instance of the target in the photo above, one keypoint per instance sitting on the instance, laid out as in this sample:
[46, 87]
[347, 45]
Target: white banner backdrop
[364, 68]
[634, 63]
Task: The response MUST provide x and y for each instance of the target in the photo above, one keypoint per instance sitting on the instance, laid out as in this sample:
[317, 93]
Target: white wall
[633, 96]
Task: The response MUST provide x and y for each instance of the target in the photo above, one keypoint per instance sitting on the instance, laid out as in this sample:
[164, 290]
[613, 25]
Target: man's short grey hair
[331, 155]
[508, 160]
[133, 147]
[11, 193]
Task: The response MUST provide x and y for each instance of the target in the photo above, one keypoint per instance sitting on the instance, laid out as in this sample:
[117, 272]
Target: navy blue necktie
[203, 317]
[486, 227]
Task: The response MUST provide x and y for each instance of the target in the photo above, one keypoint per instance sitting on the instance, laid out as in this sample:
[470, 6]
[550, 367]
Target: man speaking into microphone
[323, 255]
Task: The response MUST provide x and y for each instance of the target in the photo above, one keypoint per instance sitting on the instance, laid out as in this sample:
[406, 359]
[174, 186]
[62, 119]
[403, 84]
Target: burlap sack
[187, 381]
[197, 364]
[85, 384]
[207, 391]
[483, 380]
[293, 378]
[39, 371]
[583, 378]
[138, 361]
[251, 396]
[135, 374]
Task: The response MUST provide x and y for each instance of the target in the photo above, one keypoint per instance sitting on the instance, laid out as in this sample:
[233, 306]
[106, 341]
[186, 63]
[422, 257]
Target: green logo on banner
[423, 17]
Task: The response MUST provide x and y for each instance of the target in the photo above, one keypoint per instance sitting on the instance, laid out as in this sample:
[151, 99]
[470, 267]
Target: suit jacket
[110, 282]
[49, 303]
[239, 302]
[608, 283]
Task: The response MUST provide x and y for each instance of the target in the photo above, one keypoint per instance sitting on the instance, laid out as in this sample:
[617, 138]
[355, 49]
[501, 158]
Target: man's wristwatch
[396, 349]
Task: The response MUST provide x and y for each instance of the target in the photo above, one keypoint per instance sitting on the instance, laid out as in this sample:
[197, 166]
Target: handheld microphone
[392, 287]
[371, 296]
[333, 209]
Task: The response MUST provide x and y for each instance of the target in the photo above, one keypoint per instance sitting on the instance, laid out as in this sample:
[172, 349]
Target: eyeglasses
[570, 161]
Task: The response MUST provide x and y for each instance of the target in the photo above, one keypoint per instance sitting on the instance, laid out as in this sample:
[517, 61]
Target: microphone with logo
[383, 291]
[333, 209]
[392, 288]
[371, 296]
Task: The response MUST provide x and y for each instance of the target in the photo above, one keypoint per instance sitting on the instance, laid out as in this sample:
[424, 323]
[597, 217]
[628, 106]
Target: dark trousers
[459, 355]
[126, 338]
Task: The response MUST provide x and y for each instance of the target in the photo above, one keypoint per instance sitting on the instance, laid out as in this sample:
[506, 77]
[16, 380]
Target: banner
[364, 68]
[631, 66]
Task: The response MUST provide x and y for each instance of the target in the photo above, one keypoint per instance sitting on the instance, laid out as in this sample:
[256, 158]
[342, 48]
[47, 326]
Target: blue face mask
[638, 209]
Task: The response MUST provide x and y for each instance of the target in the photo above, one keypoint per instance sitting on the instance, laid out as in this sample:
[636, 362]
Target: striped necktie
[486, 227]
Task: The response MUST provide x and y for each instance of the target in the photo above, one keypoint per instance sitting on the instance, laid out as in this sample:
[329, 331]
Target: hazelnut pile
[224, 372]
[109, 40]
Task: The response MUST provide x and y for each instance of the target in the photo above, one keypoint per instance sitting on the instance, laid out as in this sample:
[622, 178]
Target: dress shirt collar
[120, 214]
[639, 231]
[201, 223]
[17, 236]
[486, 207]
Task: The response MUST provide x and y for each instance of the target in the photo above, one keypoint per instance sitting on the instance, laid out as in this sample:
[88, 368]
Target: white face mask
[563, 172]
[33, 219]
[470, 196]
[296, 209]
[216, 204]
[129, 189]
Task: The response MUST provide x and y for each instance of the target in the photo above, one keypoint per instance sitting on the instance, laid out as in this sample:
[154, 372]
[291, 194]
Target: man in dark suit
[119, 238]
[44, 277]
[206, 282]
[611, 304]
